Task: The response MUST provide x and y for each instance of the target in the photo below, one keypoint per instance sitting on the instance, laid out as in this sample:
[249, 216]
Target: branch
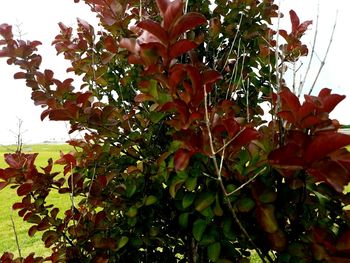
[247, 182]
[16, 237]
[325, 56]
[312, 52]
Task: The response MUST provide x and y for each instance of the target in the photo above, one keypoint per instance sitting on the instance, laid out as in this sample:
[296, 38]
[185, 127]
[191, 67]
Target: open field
[8, 196]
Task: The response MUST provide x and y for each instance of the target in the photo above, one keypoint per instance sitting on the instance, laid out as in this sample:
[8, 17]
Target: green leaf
[217, 209]
[150, 200]
[174, 146]
[188, 199]
[198, 228]
[208, 213]
[245, 204]
[122, 242]
[204, 200]
[156, 116]
[266, 218]
[183, 220]
[191, 183]
[227, 229]
[132, 212]
[268, 197]
[214, 251]
[176, 183]
[130, 189]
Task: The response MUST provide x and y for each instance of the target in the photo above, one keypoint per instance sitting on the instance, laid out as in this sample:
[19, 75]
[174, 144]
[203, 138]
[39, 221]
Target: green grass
[8, 197]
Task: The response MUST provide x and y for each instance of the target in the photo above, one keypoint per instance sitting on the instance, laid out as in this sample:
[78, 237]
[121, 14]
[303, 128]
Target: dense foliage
[177, 163]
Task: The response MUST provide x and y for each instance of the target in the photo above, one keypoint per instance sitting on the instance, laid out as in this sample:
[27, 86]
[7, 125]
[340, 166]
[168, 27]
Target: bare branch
[312, 52]
[16, 236]
[323, 62]
[247, 182]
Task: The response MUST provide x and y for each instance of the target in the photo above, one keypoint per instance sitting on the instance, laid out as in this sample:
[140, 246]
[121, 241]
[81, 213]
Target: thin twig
[247, 101]
[229, 141]
[233, 42]
[235, 69]
[278, 84]
[247, 182]
[16, 237]
[312, 52]
[325, 56]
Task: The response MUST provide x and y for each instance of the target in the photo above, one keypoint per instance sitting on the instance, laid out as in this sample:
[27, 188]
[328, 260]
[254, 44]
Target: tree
[177, 163]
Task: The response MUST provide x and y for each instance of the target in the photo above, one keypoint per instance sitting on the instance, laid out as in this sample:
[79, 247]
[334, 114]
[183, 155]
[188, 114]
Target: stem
[312, 52]
[16, 237]
[247, 182]
[323, 62]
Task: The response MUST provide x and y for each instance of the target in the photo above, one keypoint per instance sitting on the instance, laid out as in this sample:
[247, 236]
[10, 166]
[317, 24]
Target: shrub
[177, 163]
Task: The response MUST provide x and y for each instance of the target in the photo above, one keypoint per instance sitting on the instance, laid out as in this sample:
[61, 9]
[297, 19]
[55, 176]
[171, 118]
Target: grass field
[8, 196]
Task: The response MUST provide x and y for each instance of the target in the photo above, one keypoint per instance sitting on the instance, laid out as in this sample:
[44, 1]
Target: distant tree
[177, 163]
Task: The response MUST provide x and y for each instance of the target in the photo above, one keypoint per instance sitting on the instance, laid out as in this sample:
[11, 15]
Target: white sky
[37, 20]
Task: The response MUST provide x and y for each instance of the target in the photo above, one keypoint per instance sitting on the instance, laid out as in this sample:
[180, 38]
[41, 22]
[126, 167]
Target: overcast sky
[37, 20]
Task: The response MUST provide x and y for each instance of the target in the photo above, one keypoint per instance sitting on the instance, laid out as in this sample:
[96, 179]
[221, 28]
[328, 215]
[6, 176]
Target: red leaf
[84, 97]
[180, 107]
[343, 243]
[143, 97]
[196, 78]
[331, 102]
[310, 121]
[231, 126]
[180, 47]
[48, 168]
[110, 44]
[163, 6]
[331, 173]
[185, 23]
[49, 237]
[287, 157]
[39, 97]
[246, 136]
[324, 144]
[294, 19]
[288, 116]
[3, 185]
[284, 34]
[324, 92]
[44, 114]
[172, 13]
[32, 230]
[325, 101]
[158, 49]
[63, 87]
[181, 159]
[155, 29]
[68, 160]
[20, 160]
[130, 44]
[24, 189]
[303, 26]
[306, 110]
[20, 75]
[211, 76]
[289, 101]
[58, 115]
